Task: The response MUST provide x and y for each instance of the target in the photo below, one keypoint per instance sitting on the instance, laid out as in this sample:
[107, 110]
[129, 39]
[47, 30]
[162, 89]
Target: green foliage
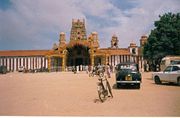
[164, 39]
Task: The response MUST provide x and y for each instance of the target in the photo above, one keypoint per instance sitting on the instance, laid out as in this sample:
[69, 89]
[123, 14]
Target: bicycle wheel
[109, 88]
[92, 75]
[101, 74]
[100, 93]
[101, 96]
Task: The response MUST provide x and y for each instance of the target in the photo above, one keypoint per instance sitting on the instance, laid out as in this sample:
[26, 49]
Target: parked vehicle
[21, 69]
[169, 60]
[170, 74]
[3, 69]
[128, 74]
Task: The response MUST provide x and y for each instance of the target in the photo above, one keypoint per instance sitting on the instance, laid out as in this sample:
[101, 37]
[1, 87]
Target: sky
[36, 24]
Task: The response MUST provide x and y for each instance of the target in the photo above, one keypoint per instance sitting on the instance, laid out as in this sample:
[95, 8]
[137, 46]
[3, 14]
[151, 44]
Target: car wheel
[138, 86]
[157, 80]
[178, 81]
[118, 85]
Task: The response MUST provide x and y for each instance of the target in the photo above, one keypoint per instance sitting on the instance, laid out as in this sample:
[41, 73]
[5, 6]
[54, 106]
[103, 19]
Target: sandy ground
[68, 94]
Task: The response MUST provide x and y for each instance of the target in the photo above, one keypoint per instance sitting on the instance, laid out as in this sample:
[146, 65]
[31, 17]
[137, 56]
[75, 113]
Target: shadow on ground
[124, 87]
[107, 99]
[166, 84]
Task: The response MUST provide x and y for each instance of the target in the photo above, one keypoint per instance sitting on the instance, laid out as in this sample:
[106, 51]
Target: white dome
[62, 33]
[94, 32]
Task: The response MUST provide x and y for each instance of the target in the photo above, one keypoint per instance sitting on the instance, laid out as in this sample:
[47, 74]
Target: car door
[173, 74]
[166, 74]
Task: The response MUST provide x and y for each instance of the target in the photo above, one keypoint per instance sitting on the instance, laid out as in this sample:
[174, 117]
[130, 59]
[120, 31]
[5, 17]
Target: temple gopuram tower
[78, 30]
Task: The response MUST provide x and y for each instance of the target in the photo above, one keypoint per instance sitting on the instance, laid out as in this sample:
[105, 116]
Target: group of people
[106, 69]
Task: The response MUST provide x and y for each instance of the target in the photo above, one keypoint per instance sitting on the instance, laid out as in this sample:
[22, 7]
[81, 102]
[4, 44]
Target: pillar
[43, 62]
[0, 61]
[64, 60]
[25, 62]
[91, 51]
[12, 67]
[46, 62]
[49, 63]
[8, 64]
[116, 60]
[63, 63]
[15, 63]
[29, 63]
[106, 59]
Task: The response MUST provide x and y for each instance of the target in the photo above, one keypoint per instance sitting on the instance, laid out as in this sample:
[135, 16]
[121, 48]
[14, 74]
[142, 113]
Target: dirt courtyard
[68, 94]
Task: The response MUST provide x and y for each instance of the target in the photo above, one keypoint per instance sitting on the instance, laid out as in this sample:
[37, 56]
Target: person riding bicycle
[100, 69]
[104, 88]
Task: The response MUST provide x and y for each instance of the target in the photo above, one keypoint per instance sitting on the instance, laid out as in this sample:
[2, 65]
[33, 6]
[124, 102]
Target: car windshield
[175, 62]
[127, 67]
[168, 69]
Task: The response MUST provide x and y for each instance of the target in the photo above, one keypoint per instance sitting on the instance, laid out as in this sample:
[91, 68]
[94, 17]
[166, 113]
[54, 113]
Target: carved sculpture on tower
[143, 40]
[93, 39]
[114, 41]
[55, 47]
[62, 40]
[78, 30]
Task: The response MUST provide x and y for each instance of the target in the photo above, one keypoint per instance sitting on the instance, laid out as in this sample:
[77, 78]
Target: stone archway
[78, 55]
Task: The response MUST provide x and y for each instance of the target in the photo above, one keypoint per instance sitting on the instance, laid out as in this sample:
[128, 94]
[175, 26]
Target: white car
[21, 69]
[170, 74]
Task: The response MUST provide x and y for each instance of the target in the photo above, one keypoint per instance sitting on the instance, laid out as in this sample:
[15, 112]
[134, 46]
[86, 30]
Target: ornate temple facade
[80, 50]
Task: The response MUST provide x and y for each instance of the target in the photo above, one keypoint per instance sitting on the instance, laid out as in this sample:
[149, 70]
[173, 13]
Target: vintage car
[170, 74]
[128, 74]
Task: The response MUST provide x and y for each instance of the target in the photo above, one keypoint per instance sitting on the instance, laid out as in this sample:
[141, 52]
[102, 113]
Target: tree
[164, 39]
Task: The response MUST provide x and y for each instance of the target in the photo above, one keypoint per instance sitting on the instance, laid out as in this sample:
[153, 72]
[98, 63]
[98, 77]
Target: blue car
[128, 74]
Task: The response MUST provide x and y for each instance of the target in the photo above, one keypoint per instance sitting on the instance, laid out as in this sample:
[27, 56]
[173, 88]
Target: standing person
[108, 70]
[89, 68]
[99, 68]
[86, 68]
[74, 69]
[111, 68]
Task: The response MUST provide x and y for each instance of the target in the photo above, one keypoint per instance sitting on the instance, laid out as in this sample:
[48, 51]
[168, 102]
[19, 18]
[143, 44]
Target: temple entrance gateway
[83, 50]
[78, 55]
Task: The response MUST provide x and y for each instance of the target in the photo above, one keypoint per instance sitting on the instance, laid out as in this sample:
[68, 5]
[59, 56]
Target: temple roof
[119, 51]
[23, 52]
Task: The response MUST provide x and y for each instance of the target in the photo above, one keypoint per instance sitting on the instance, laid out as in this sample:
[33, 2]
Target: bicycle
[91, 74]
[102, 89]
